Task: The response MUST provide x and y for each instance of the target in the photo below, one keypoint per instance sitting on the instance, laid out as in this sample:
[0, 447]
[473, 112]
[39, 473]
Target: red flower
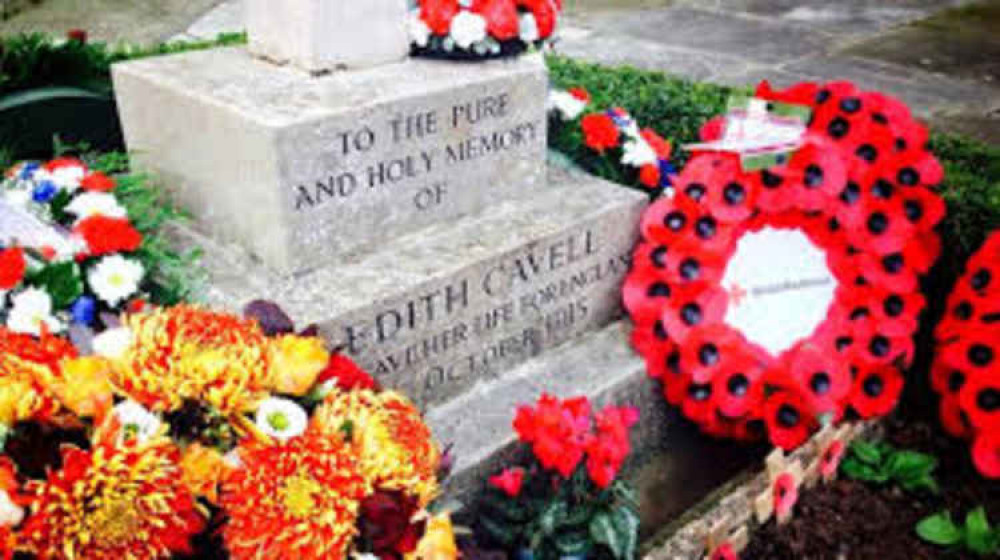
[580, 93]
[710, 348]
[713, 129]
[557, 430]
[800, 94]
[823, 378]
[698, 305]
[545, 12]
[830, 460]
[437, 14]
[346, 375]
[610, 447]
[501, 18]
[59, 163]
[953, 419]
[12, 267]
[387, 523]
[98, 182]
[986, 454]
[786, 494]
[980, 400]
[106, 236]
[78, 35]
[725, 552]
[738, 391]
[660, 145]
[789, 419]
[509, 481]
[649, 175]
[876, 391]
[600, 132]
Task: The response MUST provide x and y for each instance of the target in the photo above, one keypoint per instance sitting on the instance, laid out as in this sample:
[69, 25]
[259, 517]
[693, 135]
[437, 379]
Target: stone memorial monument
[404, 207]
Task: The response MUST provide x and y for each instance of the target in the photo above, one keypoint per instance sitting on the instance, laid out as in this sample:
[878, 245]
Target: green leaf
[552, 517]
[602, 530]
[940, 530]
[61, 281]
[979, 538]
[905, 465]
[507, 508]
[626, 523]
[573, 543]
[852, 468]
[498, 531]
[866, 452]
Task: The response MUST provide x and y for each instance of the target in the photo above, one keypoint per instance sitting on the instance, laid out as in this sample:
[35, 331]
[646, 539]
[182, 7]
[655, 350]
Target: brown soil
[850, 520]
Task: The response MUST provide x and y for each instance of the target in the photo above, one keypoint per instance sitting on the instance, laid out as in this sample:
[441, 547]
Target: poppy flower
[822, 175]
[437, 14]
[701, 305]
[979, 398]
[975, 353]
[725, 551]
[713, 129]
[803, 93]
[738, 390]
[922, 208]
[829, 461]
[677, 385]
[668, 220]
[786, 494]
[774, 186]
[946, 380]
[699, 404]
[652, 342]
[823, 379]
[879, 225]
[789, 419]
[953, 419]
[509, 482]
[12, 267]
[708, 348]
[600, 132]
[876, 391]
[986, 454]
[736, 200]
[645, 293]
[896, 313]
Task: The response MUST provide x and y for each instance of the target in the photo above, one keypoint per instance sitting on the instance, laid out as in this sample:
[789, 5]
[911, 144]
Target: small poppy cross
[737, 295]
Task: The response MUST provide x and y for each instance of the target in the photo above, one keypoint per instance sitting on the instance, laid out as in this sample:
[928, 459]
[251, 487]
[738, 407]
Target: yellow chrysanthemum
[84, 388]
[29, 368]
[397, 451]
[296, 362]
[187, 353]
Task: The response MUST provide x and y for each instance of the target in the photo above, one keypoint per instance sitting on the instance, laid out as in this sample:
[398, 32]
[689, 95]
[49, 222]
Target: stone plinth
[303, 170]
[436, 312]
[321, 35]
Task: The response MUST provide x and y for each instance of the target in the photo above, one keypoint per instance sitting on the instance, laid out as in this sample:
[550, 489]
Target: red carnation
[12, 266]
[106, 235]
[59, 163]
[347, 375]
[78, 35]
[649, 175]
[98, 182]
[437, 14]
[660, 145]
[509, 481]
[501, 18]
[600, 132]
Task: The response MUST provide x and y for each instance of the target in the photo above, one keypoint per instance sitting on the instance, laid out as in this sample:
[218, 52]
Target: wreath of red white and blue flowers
[474, 29]
[861, 189]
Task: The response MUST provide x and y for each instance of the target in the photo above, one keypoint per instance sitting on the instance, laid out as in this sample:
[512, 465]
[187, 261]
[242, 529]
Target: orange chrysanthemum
[298, 499]
[29, 367]
[187, 353]
[396, 447]
[119, 500]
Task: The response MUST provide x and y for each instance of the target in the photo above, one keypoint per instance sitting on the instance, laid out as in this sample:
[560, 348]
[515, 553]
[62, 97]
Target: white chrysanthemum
[420, 33]
[281, 418]
[136, 421]
[11, 514]
[112, 343]
[468, 28]
[568, 105]
[96, 204]
[115, 278]
[637, 153]
[66, 177]
[31, 309]
[528, 28]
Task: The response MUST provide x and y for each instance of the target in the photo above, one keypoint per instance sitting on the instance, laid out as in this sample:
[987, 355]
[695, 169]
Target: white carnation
[281, 419]
[637, 153]
[112, 343]
[528, 28]
[420, 33]
[468, 28]
[31, 309]
[136, 421]
[115, 278]
[96, 204]
[568, 105]
[66, 177]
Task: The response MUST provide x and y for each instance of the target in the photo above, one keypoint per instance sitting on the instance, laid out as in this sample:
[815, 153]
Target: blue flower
[667, 172]
[28, 171]
[84, 310]
[44, 192]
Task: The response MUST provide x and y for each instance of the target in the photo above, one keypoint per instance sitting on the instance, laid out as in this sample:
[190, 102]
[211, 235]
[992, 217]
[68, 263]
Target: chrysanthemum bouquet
[471, 29]
[70, 253]
[199, 434]
[610, 143]
[570, 501]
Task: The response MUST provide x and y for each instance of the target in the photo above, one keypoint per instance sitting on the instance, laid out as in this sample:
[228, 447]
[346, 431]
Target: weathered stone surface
[301, 170]
[435, 312]
[320, 35]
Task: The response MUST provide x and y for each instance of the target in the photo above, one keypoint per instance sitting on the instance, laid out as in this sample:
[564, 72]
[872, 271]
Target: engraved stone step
[672, 465]
[301, 170]
[434, 312]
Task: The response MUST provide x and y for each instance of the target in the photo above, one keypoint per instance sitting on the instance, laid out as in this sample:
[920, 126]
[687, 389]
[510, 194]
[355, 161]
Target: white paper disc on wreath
[780, 288]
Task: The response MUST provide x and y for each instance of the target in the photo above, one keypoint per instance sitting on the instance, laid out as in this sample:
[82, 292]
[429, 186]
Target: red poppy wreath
[770, 301]
[966, 371]
[471, 29]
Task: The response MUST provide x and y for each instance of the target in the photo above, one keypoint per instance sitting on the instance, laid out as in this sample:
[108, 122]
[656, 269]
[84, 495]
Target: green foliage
[63, 282]
[976, 536]
[880, 463]
[32, 61]
[569, 519]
